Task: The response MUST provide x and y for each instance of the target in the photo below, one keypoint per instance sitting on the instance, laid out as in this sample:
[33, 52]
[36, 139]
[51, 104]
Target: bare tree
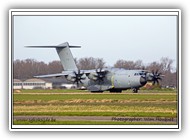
[166, 64]
[154, 66]
[24, 69]
[129, 64]
[90, 63]
[100, 63]
[17, 69]
[170, 78]
[55, 67]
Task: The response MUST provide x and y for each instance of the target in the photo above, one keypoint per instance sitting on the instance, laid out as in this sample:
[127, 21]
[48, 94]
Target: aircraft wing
[50, 75]
[65, 73]
[94, 70]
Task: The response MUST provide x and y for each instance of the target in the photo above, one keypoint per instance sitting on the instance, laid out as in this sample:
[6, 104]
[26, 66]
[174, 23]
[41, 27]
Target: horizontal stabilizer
[63, 45]
[52, 46]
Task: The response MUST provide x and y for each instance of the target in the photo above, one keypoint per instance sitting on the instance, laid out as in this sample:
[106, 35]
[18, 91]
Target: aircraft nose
[143, 80]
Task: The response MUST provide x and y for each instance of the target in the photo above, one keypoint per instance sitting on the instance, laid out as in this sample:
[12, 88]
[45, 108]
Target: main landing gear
[135, 90]
[115, 90]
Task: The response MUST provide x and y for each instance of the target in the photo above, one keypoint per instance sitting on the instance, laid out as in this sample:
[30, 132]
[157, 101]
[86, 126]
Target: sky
[146, 38]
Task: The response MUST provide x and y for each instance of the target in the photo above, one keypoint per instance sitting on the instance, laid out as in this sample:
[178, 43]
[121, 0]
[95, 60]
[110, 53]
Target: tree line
[25, 69]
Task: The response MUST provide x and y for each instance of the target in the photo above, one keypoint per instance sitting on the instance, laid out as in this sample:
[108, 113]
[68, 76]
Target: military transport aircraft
[101, 79]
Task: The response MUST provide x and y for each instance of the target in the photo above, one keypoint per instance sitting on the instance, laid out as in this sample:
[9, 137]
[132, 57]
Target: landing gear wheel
[135, 90]
[115, 90]
[96, 91]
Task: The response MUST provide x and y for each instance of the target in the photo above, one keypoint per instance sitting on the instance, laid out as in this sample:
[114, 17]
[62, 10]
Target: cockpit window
[140, 73]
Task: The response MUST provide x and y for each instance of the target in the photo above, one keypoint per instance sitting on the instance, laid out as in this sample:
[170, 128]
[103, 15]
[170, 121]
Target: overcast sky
[146, 38]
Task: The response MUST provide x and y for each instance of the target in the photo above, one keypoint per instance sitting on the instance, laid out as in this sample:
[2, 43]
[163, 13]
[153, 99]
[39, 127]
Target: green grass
[77, 104]
[85, 91]
[144, 97]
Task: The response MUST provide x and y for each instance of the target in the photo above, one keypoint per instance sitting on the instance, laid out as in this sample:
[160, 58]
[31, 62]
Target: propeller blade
[153, 83]
[78, 77]
[159, 74]
[156, 76]
[159, 78]
[157, 81]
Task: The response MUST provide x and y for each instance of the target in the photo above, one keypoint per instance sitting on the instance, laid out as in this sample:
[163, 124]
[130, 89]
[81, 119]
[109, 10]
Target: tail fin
[65, 55]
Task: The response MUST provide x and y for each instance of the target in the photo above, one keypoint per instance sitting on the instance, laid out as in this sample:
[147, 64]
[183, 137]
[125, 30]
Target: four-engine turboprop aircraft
[101, 79]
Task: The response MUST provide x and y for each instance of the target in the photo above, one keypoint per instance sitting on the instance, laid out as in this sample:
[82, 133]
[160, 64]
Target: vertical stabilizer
[66, 56]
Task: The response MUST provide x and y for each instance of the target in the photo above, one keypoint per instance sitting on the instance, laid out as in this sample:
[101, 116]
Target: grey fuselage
[117, 79]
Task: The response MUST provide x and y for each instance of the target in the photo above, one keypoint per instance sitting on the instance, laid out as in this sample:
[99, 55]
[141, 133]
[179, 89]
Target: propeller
[78, 77]
[156, 76]
[100, 75]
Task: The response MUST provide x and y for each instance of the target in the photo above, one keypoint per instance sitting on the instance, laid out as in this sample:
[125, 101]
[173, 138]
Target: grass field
[88, 104]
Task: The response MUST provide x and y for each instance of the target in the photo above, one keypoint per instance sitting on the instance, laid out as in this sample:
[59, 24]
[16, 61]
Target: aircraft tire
[135, 90]
[96, 91]
[115, 90]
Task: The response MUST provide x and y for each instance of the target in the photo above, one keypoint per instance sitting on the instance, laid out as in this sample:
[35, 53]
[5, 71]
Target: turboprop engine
[93, 76]
[76, 77]
[99, 75]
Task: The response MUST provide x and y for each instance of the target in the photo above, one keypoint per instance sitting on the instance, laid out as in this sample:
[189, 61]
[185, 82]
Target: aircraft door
[129, 80]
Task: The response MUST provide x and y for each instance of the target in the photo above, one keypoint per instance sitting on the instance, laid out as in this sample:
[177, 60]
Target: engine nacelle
[149, 76]
[93, 76]
[71, 77]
